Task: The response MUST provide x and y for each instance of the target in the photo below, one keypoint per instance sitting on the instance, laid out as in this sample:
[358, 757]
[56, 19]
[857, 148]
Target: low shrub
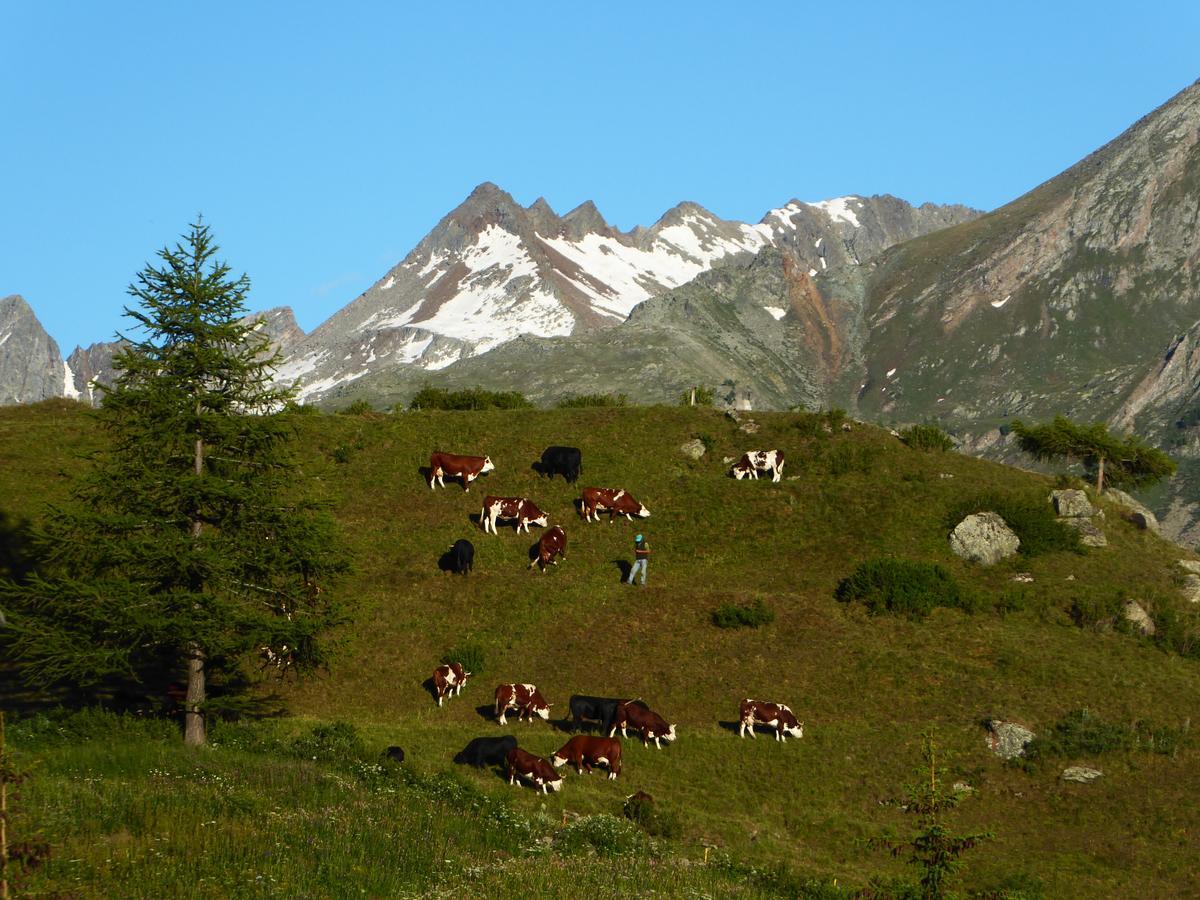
[731, 615]
[656, 821]
[582, 401]
[469, 656]
[903, 588]
[927, 437]
[819, 424]
[1028, 514]
[358, 408]
[844, 459]
[1098, 611]
[337, 742]
[470, 399]
[698, 396]
[1177, 630]
[1082, 733]
[341, 454]
[603, 834]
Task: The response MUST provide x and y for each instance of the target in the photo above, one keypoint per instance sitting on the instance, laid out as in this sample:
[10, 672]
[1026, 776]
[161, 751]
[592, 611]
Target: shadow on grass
[730, 726]
[625, 566]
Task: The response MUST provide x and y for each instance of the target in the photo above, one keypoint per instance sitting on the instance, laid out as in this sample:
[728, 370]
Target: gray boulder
[1070, 504]
[1089, 534]
[1191, 588]
[694, 449]
[1139, 514]
[1081, 774]
[1008, 739]
[1136, 615]
[984, 538]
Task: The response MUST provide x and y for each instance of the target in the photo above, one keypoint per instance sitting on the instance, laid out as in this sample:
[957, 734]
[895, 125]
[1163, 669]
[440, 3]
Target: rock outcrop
[984, 538]
[31, 367]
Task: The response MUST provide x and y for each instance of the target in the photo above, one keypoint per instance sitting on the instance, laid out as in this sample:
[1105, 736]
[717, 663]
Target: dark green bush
[903, 588]
[843, 459]
[471, 399]
[1177, 630]
[469, 656]
[358, 408]
[1028, 514]
[927, 437]
[57, 727]
[656, 821]
[582, 401]
[704, 396]
[604, 834]
[341, 454]
[337, 742]
[819, 424]
[1093, 610]
[1082, 733]
[730, 615]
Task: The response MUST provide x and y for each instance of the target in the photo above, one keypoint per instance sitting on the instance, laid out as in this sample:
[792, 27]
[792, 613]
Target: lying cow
[584, 752]
[596, 710]
[531, 768]
[564, 461]
[525, 698]
[550, 545]
[616, 502]
[755, 461]
[486, 751]
[773, 715]
[461, 557]
[636, 716]
[468, 468]
[449, 679]
[520, 509]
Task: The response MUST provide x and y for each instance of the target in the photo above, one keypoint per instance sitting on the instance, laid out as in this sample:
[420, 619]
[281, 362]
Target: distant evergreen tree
[190, 540]
[1123, 462]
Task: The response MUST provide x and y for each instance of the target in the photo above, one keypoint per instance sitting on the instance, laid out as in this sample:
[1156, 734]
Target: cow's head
[740, 471]
[540, 521]
[555, 785]
[542, 710]
[670, 735]
[559, 761]
[642, 512]
[796, 731]
[487, 465]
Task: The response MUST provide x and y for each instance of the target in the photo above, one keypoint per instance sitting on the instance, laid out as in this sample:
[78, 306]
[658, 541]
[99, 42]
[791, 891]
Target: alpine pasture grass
[865, 686]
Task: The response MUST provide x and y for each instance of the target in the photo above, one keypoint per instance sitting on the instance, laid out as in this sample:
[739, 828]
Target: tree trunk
[195, 734]
[1100, 477]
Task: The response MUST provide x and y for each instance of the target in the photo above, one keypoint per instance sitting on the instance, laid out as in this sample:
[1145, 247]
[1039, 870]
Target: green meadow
[128, 811]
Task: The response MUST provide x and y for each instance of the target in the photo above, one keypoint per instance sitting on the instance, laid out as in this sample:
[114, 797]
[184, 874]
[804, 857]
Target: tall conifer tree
[190, 541]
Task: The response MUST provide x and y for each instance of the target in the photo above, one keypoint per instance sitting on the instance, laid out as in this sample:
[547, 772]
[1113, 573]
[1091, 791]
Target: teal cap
[638, 538]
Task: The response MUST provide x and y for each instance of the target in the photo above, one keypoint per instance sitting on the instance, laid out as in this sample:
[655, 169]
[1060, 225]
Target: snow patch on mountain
[839, 209]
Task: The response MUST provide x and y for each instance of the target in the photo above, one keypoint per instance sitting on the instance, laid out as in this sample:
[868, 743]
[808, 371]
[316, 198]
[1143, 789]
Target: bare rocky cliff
[31, 367]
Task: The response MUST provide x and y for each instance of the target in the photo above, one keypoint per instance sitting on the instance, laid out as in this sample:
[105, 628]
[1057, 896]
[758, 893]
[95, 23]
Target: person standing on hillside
[641, 553]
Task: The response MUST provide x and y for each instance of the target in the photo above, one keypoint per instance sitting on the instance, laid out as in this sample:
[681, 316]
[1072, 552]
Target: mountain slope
[31, 367]
[492, 270]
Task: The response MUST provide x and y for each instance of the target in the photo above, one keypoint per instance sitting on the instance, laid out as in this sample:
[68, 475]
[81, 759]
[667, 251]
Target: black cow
[486, 751]
[564, 461]
[462, 557]
[597, 710]
[395, 754]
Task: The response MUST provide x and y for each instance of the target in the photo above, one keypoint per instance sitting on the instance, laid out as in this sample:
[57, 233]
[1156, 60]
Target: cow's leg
[657, 745]
[752, 732]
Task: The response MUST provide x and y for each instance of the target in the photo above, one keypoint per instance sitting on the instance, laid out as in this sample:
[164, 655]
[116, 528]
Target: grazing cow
[486, 751]
[583, 752]
[521, 509]
[597, 710]
[550, 545]
[755, 461]
[395, 754]
[773, 715]
[564, 461]
[462, 557]
[449, 680]
[525, 698]
[533, 769]
[616, 502]
[466, 467]
[636, 716]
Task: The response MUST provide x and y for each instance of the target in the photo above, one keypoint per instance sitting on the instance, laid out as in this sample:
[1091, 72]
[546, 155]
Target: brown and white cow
[533, 769]
[468, 468]
[584, 752]
[525, 698]
[755, 461]
[773, 715]
[449, 679]
[616, 502]
[550, 545]
[652, 726]
[521, 509]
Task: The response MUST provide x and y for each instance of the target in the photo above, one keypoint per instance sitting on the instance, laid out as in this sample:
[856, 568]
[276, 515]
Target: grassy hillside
[866, 687]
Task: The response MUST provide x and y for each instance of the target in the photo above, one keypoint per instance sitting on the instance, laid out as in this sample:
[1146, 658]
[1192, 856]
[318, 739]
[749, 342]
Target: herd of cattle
[583, 752]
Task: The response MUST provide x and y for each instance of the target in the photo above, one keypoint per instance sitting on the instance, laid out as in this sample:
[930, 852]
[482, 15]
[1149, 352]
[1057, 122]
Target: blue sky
[322, 141]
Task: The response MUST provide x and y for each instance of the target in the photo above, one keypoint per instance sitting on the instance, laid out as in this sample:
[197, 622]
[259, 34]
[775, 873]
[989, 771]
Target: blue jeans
[638, 564]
